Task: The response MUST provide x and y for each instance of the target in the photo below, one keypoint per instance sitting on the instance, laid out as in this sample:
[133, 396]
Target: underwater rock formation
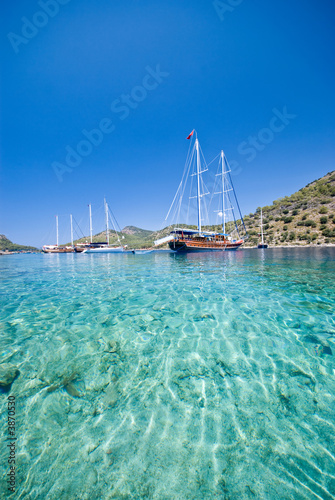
[8, 374]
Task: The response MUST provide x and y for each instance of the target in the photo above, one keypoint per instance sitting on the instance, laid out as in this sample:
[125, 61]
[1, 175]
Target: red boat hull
[191, 245]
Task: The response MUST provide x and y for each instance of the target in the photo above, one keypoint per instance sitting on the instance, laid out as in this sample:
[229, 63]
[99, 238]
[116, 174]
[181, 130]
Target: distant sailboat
[105, 247]
[80, 247]
[56, 248]
[262, 244]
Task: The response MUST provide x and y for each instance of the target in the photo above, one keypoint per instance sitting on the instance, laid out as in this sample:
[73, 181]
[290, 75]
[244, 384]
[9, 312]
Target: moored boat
[202, 239]
[57, 248]
[105, 247]
[81, 247]
[143, 251]
[189, 240]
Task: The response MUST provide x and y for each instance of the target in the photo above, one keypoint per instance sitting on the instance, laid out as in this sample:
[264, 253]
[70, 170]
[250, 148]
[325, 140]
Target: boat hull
[195, 246]
[142, 252]
[57, 250]
[80, 249]
[262, 246]
[107, 250]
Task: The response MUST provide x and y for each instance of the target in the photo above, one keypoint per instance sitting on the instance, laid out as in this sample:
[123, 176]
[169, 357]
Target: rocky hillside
[7, 245]
[305, 217]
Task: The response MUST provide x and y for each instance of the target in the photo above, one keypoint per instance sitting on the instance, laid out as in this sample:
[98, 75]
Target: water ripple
[172, 377]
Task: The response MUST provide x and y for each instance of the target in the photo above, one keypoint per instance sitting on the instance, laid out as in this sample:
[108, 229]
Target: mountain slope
[305, 217]
[7, 245]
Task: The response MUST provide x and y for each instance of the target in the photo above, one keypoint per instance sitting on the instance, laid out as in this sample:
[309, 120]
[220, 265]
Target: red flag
[189, 137]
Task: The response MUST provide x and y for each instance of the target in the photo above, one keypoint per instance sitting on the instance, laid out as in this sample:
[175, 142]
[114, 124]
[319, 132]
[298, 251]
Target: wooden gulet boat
[200, 240]
[188, 240]
[56, 248]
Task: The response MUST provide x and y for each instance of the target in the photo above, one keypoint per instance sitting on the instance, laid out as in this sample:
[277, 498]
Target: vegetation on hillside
[305, 217]
[7, 245]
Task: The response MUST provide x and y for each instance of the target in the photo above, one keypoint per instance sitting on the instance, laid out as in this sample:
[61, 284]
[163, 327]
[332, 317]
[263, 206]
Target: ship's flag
[189, 137]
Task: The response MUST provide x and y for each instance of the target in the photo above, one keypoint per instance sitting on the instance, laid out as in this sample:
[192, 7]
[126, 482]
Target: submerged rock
[71, 390]
[111, 395]
[201, 317]
[113, 346]
[8, 374]
[227, 370]
[321, 346]
[322, 349]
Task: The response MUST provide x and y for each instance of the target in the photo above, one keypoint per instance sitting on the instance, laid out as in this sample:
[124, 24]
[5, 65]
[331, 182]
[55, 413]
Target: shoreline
[323, 245]
[164, 250]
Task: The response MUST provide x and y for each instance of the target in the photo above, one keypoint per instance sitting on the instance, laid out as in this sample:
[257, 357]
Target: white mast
[198, 184]
[57, 230]
[262, 227]
[107, 229]
[71, 230]
[223, 193]
[91, 230]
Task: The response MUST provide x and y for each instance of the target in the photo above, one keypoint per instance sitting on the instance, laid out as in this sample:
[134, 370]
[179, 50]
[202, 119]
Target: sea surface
[171, 377]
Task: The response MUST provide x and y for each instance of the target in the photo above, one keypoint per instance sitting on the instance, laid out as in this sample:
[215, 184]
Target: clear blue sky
[224, 72]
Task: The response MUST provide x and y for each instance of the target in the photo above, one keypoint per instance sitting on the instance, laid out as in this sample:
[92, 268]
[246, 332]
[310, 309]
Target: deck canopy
[192, 232]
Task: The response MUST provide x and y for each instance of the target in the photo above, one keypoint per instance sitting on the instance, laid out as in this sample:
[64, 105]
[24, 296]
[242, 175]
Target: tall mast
[198, 184]
[57, 239]
[71, 230]
[223, 193]
[91, 230]
[262, 226]
[107, 229]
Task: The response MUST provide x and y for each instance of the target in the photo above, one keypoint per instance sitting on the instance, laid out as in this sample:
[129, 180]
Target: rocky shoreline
[308, 245]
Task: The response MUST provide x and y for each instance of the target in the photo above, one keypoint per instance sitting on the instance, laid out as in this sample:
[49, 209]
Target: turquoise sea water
[171, 376]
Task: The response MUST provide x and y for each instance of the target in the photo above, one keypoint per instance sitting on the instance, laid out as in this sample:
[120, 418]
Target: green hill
[305, 217]
[7, 245]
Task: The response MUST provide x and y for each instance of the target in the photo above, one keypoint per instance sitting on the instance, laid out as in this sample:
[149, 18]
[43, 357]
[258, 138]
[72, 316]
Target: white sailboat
[105, 247]
[80, 247]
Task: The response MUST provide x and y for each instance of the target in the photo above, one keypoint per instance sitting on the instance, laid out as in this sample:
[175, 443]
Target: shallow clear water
[171, 376]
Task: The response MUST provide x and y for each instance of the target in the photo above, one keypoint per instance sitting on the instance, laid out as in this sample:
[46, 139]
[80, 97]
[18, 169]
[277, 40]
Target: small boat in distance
[199, 240]
[82, 247]
[56, 249]
[104, 247]
[262, 244]
[143, 251]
